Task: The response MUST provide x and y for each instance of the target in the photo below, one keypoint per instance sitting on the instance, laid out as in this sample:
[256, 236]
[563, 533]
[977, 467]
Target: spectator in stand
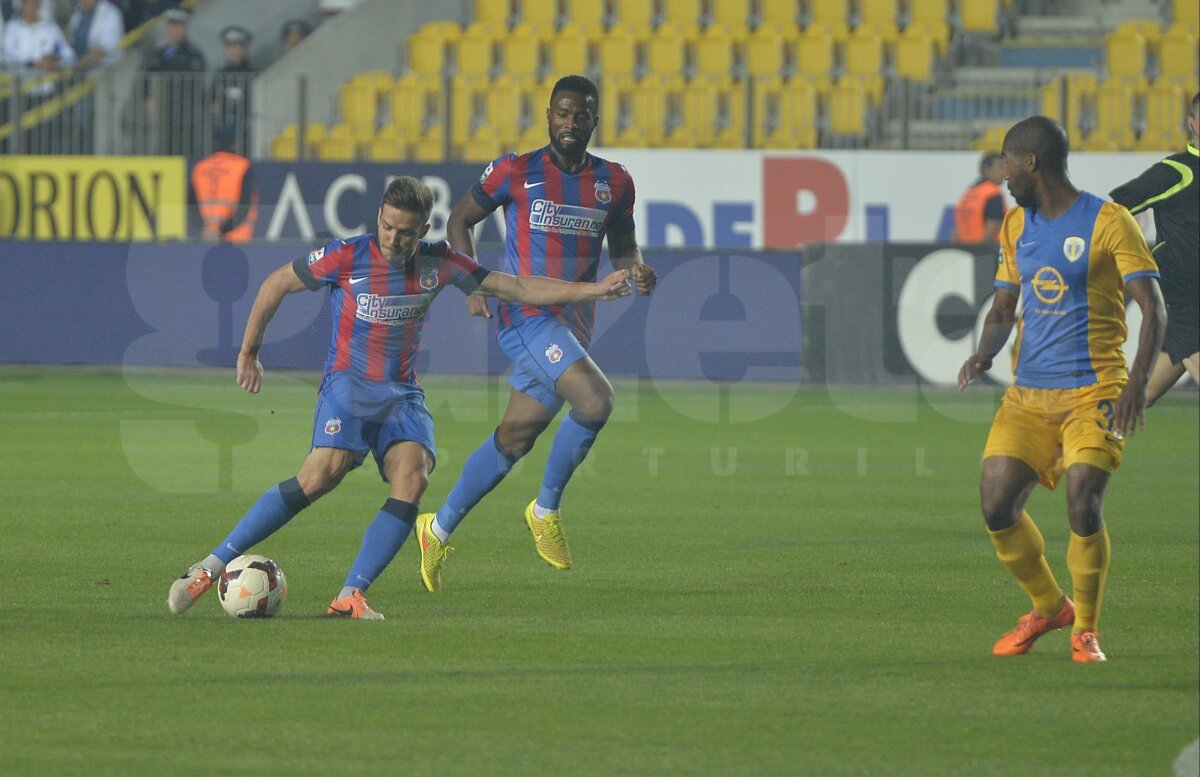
[175, 88]
[35, 45]
[229, 100]
[11, 9]
[294, 31]
[980, 211]
[94, 31]
[138, 12]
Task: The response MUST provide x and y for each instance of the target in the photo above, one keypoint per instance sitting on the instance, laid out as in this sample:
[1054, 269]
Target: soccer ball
[252, 587]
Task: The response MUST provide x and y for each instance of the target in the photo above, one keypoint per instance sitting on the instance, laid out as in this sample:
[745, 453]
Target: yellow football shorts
[1052, 429]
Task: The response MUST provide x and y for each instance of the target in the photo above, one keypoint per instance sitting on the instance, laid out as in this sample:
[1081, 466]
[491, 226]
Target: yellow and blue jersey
[1070, 274]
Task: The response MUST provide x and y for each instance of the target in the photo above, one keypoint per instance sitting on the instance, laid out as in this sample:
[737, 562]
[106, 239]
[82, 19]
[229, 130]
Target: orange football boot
[1085, 648]
[1030, 627]
[353, 606]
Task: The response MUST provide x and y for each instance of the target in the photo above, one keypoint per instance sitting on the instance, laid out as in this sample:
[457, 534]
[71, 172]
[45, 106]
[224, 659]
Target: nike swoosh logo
[531, 184]
[1026, 245]
[359, 280]
[346, 612]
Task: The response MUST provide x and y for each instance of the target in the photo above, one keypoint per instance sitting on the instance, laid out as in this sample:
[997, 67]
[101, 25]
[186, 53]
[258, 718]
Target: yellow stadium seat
[730, 116]
[504, 105]
[814, 57]
[698, 112]
[884, 13]
[992, 140]
[682, 136]
[570, 51]
[914, 57]
[1147, 28]
[426, 53]
[540, 14]
[934, 12]
[614, 106]
[733, 15]
[1115, 103]
[833, 13]
[888, 32]
[1166, 103]
[1125, 55]
[634, 15]
[864, 58]
[838, 31]
[522, 53]
[665, 53]
[430, 148]
[359, 104]
[441, 28]
[799, 114]
[586, 16]
[339, 145]
[648, 102]
[763, 54]
[713, 56]
[475, 53]
[417, 101]
[939, 33]
[781, 16]
[1177, 55]
[682, 14]
[1186, 12]
[498, 12]
[979, 16]
[1075, 91]
[285, 145]
[468, 98]
[390, 144]
[847, 108]
[616, 53]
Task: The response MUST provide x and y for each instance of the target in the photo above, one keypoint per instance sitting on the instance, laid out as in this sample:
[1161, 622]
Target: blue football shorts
[360, 415]
[541, 349]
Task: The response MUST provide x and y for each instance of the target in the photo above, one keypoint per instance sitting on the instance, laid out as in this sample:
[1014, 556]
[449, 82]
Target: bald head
[1044, 138]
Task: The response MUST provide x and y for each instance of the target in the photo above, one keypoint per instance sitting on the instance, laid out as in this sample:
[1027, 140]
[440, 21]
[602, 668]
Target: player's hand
[972, 368]
[1130, 413]
[645, 278]
[614, 286]
[477, 305]
[249, 372]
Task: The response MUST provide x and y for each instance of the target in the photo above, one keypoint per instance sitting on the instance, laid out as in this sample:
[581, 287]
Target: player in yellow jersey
[1070, 257]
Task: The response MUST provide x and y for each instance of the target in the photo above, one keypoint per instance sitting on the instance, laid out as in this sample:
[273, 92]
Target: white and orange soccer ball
[252, 587]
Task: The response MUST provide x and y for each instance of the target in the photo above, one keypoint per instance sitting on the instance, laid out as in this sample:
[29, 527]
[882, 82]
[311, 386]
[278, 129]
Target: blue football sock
[484, 469]
[381, 542]
[272, 510]
[572, 442]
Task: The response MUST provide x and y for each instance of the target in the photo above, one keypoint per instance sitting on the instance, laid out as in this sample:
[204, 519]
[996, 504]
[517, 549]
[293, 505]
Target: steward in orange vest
[980, 211]
[223, 191]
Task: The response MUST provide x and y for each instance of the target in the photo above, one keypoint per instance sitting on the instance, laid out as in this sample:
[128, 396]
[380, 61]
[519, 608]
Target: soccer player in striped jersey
[560, 204]
[1070, 257]
[1171, 187]
[380, 288]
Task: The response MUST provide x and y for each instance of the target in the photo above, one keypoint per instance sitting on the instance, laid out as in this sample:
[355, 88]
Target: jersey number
[1105, 406]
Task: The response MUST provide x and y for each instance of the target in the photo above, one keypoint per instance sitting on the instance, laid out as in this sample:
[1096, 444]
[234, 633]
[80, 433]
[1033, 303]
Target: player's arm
[1131, 404]
[624, 253]
[278, 285]
[1156, 183]
[460, 232]
[536, 290]
[997, 327]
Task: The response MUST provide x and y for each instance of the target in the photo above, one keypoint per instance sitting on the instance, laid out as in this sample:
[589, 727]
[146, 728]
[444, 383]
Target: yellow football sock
[1022, 551]
[1087, 558]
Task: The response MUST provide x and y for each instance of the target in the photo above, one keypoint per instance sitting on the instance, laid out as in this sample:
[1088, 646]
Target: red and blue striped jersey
[378, 308]
[555, 224]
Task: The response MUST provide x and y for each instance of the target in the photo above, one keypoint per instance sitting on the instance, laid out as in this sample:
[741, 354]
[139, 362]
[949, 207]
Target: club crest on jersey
[333, 426]
[1073, 248]
[315, 256]
[429, 279]
[554, 354]
[603, 193]
[1048, 285]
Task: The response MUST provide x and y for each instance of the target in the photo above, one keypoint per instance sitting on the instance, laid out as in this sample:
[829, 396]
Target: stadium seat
[888, 32]
[979, 16]
[359, 105]
[713, 56]
[504, 106]
[780, 16]
[339, 145]
[934, 12]
[914, 56]
[426, 53]
[883, 13]
[732, 15]
[814, 58]
[1166, 103]
[522, 52]
[570, 51]
[285, 146]
[1147, 28]
[390, 144]
[710, 115]
[665, 53]
[1177, 56]
[483, 146]
[475, 53]
[839, 32]
[1185, 12]
[992, 140]
[786, 115]
[648, 102]
[1125, 55]
[441, 28]
[614, 106]
[430, 148]
[634, 15]
[939, 33]
[683, 14]
[498, 12]
[616, 53]
[763, 54]
[1115, 105]
[589, 17]
[864, 58]
[539, 14]
[1073, 92]
[832, 13]
[417, 101]
[847, 108]
[468, 95]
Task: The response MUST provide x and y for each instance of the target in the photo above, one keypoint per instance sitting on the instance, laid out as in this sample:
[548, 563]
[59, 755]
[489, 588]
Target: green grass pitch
[769, 581]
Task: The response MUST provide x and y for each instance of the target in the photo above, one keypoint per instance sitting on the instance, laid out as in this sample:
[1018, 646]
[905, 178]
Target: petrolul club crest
[1073, 248]
[554, 353]
[603, 193]
[333, 426]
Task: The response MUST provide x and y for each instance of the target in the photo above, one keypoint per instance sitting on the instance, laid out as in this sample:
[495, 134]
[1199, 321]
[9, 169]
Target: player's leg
[1088, 553]
[1163, 376]
[406, 466]
[1192, 365]
[320, 473]
[590, 396]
